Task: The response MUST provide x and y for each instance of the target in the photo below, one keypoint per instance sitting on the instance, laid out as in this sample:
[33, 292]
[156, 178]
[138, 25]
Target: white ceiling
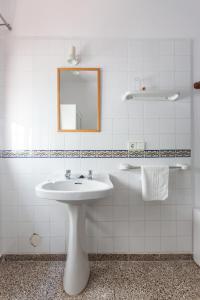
[104, 18]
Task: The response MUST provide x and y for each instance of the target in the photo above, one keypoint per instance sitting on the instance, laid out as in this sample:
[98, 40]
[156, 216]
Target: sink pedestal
[77, 269]
[76, 194]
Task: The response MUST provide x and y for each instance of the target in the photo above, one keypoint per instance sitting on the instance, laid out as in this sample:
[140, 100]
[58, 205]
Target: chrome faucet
[68, 174]
[89, 175]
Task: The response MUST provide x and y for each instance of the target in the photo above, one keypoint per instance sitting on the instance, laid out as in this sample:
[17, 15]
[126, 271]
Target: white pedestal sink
[76, 193]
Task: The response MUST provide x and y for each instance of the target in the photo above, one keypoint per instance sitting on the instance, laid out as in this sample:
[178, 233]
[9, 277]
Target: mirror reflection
[78, 99]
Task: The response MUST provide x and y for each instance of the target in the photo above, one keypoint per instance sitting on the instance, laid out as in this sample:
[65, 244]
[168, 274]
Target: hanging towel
[155, 182]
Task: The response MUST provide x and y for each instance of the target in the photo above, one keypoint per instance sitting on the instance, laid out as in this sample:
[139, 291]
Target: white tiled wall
[123, 223]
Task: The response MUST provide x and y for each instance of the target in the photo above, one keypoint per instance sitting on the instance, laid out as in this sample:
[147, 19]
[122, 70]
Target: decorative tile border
[136, 154]
[94, 153]
[64, 153]
[17, 153]
[87, 153]
[152, 153]
[183, 153]
[104, 154]
[99, 257]
[120, 154]
[168, 153]
[39, 154]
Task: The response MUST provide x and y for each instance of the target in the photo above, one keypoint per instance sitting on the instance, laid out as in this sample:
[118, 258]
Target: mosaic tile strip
[167, 153]
[87, 153]
[151, 153]
[72, 153]
[104, 154]
[57, 154]
[64, 153]
[120, 154]
[183, 153]
[16, 153]
[40, 154]
[94, 153]
[136, 154]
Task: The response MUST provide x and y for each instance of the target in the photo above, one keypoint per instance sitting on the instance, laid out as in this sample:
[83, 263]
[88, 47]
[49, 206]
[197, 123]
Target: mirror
[78, 99]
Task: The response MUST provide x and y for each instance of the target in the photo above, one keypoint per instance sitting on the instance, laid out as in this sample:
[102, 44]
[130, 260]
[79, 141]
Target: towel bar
[125, 167]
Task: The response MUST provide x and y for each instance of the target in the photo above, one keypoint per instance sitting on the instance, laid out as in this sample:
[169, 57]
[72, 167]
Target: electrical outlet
[136, 146]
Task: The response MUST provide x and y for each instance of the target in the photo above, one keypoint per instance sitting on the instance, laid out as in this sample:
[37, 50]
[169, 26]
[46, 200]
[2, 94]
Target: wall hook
[197, 85]
[5, 23]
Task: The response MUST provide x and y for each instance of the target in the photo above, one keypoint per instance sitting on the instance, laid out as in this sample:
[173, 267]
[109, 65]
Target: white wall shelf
[152, 95]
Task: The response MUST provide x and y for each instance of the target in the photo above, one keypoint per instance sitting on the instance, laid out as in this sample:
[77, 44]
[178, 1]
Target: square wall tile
[136, 228]
[120, 126]
[120, 228]
[105, 245]
[123, 222]
[151, 126]
[121, 245]
[136, 245]
[182, 47]
[166, 47]
[57, 245]
[168, 228]
[152, 228]
[169, 244]
[152, 245]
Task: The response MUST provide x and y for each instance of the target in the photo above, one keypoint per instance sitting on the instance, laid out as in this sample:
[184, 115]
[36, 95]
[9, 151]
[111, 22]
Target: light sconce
[73, 58]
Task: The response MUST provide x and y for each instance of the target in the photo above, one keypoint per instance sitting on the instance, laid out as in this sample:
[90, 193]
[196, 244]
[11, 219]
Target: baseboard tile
[98, 257]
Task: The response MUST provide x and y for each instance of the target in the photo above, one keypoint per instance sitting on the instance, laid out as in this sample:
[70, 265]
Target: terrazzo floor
[137, 280]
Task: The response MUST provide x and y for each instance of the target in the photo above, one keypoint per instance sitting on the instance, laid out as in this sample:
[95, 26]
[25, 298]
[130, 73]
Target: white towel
[155, 182]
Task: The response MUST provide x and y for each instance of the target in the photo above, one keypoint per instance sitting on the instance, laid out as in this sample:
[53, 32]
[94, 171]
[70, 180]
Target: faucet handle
[68, 174]
[89, 174]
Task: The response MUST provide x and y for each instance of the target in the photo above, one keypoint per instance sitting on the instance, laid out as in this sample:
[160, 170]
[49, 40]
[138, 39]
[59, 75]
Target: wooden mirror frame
[59, 70]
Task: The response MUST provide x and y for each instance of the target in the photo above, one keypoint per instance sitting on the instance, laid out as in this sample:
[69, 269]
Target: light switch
[132, 146]
[136, 146]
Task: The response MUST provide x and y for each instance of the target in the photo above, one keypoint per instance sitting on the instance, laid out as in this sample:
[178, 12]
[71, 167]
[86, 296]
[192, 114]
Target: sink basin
[76, 193]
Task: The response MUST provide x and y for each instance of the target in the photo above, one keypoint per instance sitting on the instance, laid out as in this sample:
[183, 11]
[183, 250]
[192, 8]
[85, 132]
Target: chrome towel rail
[125, 167]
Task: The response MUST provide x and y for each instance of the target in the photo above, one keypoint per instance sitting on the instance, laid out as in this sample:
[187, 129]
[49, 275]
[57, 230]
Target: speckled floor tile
[144, 280]
[120, 280]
